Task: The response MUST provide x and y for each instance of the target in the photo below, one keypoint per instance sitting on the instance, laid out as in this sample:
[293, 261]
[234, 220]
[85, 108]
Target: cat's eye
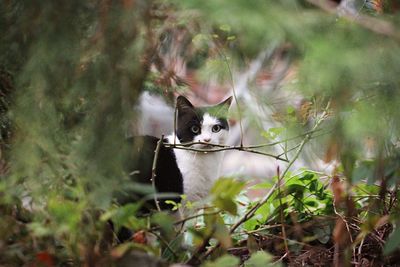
[216, 128]
[195, 129]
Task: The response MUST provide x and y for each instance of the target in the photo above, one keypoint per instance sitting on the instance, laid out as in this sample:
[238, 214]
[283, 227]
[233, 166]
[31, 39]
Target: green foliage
[225, 261]
[393, 242]
[260, 259]
[224, 192]
[70, 73]
[304, 194]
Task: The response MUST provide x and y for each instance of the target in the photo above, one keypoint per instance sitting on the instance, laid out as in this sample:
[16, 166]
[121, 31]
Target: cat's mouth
[202, 146]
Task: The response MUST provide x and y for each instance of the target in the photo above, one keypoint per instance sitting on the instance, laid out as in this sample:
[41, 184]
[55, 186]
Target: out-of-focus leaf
[307, 177]
[252, 244]
[260, 259]
[273, 132]
[224, 192]
[165, 221]
[323, 233]
[224, 261]
[393, 242]
[295, 189]
[364, 170]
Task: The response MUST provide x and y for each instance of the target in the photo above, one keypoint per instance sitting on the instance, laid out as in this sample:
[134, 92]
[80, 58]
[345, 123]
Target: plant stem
[153, 171]
[250, 213]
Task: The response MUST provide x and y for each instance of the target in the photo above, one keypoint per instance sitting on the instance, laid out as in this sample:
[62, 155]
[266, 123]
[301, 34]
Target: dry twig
[153, 172]
[250, 213]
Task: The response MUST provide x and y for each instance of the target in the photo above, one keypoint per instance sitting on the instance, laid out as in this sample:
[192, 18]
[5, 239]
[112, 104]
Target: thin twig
[184, 220]
[234, 94]
[175, 124]
[249, 149]
[267, 227]
[235, 147]
[153, 171]
[159, 237]
[195, 256]
[250, 213]
[284, 237]
[281, 258]
[205, 151]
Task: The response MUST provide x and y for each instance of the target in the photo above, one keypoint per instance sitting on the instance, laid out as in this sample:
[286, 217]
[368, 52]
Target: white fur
[200, 170]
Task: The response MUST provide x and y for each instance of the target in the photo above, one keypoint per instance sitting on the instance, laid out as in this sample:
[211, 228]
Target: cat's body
[182, 171]
[199, 171]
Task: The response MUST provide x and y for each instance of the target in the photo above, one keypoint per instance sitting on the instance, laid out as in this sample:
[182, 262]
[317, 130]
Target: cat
[180, 171]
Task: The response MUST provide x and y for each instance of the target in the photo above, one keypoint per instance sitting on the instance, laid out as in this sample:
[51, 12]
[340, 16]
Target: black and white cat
[182, 171]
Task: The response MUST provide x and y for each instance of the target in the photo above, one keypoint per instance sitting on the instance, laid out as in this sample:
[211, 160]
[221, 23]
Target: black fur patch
[189, 116]
[168, 177]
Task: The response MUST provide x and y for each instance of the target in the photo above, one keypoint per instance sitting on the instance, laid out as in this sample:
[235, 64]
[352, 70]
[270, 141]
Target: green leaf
[313, 186]
[295, 189]
[251, 224]
[225, 28]
[323, 233]
[273, 132]
[124, 215]
[224, 261]
[311, 203]
[165, 221]
[393, 242]
[260, 259]
[224, 192]
[264, 185]
[364, 170]
[307, 177]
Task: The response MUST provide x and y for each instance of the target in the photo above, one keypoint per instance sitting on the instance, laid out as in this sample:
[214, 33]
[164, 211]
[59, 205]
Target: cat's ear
[226, 103]
[222, 109]
[183, 104]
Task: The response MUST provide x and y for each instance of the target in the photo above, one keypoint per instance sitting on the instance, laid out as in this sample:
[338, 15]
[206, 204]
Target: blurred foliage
[71, 71]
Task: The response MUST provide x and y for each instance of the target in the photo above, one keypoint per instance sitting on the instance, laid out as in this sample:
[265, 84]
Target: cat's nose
[207, 140]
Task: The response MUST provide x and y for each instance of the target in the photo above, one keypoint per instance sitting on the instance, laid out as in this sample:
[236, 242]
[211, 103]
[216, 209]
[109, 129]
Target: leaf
[393, 242]
[260, 259]
[165, 221]
[311, 203]
[364, 170]
[323, 234]
[313, 186]
[225, 28]
[264, 185]
[200, 40]
[215, 225]
[124, 216]
[273, 132]
[224, 192]
[295, 189]
[222, 235]
[252, 244]
[251, 224]
[224, 261]
[39, 230]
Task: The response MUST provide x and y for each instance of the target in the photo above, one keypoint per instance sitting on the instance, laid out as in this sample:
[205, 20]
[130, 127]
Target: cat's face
[204, 124]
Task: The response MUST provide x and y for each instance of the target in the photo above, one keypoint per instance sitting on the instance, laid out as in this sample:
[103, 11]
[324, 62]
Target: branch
[373, 24]
[184, 220]
[153, 172]
[250, 213]
[249, 149]
[234, 94]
